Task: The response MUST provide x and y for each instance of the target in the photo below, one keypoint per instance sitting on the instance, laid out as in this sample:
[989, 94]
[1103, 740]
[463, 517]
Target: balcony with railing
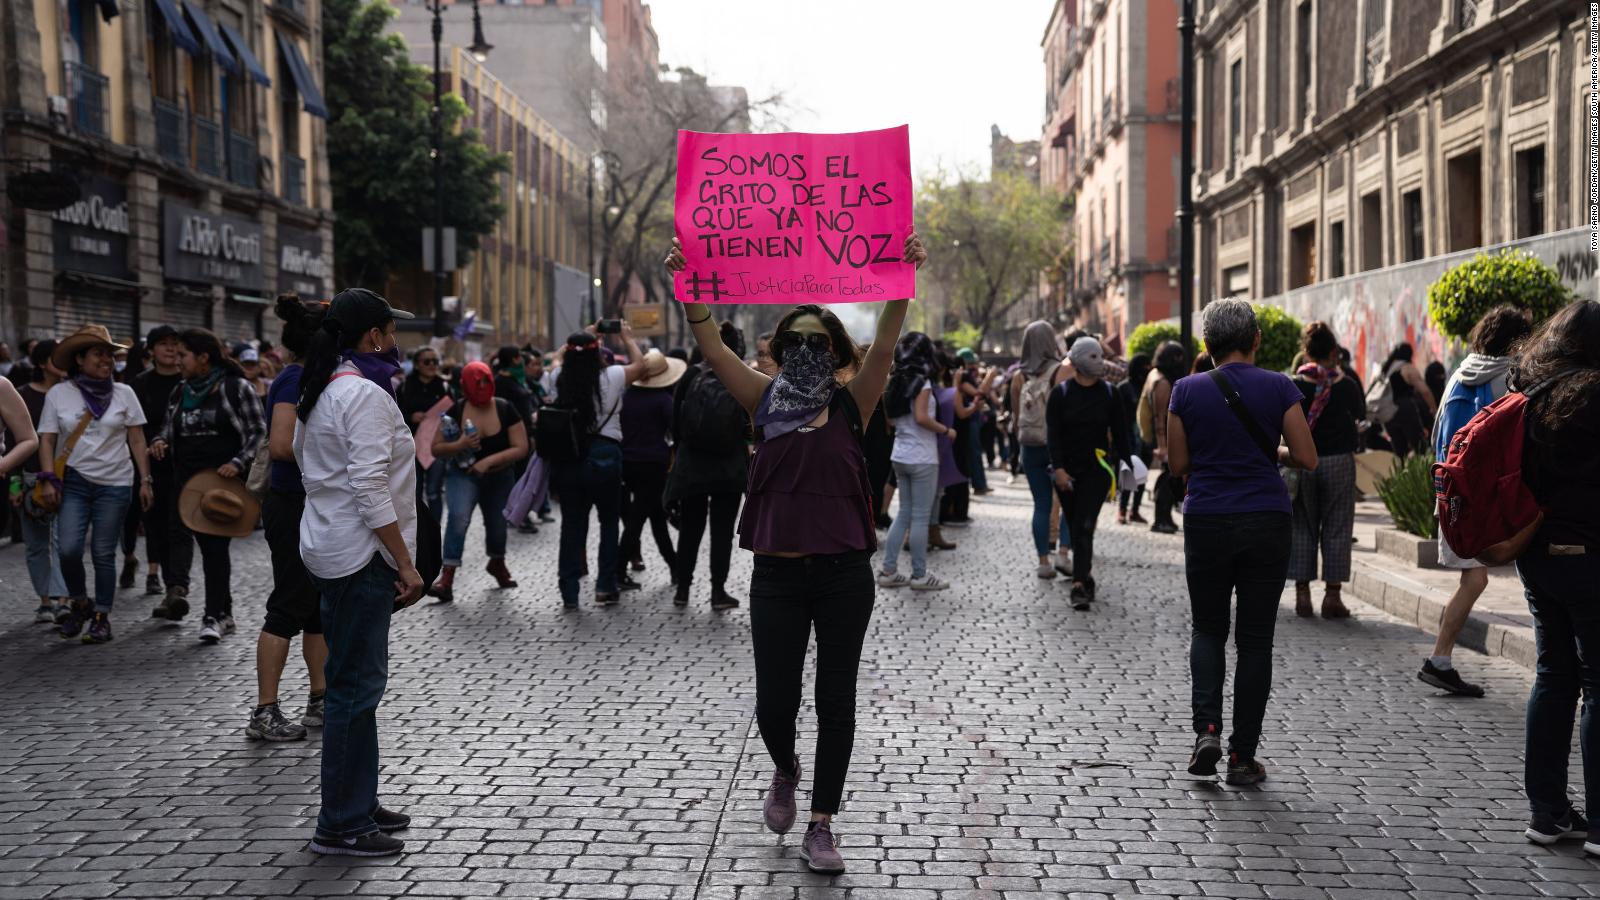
[172, 137]
[1105, 257]
[207, 147]
[89, 92]
[242, 160]
[294, 179]
[1111, 111]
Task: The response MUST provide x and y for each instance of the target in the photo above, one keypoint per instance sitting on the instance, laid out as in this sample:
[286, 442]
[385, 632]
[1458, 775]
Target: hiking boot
[1332, 606]
[1244, 771]
[210, 631]
[174, 606]
[99, 630]
[46, 613]
[152, 585]
[1545, 831]
[1122, 517]
[268, 724]
[444, 586]
[821, 851]
[722, 600]
[1135, 519]
[779, 807]
[680, 596]
[130, 572]
[610, 599]
[936, 539]
[1207, 750]
[388, 820]
[374, 844]
[1302, 600]
[316, 711]
[1080, 596]
[625, 582]
[929, 583]
[1447, 680]
[78, 614]
[502, 575]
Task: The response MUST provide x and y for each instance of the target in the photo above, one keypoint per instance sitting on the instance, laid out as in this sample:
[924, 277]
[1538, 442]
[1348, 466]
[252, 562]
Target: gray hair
[1229, 326]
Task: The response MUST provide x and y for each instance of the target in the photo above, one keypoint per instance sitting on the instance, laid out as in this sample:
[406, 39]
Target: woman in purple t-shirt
[1223, 432]
[809, 521]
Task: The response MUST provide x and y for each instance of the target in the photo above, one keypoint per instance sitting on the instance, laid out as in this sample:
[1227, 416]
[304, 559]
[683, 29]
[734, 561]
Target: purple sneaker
[821, 851]
[779, 806]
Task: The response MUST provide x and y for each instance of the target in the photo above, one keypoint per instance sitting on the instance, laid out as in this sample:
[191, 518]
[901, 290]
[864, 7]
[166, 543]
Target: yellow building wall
[46, 14]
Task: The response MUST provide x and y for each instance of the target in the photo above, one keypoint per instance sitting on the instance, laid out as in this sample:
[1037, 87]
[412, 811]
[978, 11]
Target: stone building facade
[1336, 138]
[194, 130]
[1110, 146]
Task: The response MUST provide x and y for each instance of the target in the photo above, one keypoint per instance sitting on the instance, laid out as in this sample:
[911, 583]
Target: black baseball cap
[160, 333]
[357, 309]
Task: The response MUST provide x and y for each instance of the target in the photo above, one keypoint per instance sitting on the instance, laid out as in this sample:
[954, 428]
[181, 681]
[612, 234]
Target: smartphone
[609, 326]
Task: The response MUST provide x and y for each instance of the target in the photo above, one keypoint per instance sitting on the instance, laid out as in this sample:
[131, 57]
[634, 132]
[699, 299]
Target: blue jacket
[1461, 402]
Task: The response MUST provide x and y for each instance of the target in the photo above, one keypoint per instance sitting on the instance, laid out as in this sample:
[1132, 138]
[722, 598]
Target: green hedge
[1466, 292]
[1280, 338]
[1408, 495]
[1150, 335]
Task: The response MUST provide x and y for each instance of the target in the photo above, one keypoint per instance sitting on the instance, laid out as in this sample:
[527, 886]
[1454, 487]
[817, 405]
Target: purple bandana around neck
[378, 367]
[96, 393]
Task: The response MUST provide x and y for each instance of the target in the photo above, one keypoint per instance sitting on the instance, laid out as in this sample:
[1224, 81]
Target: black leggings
[642, 483]
[693, 510]
[833, 593]
[1082, 506]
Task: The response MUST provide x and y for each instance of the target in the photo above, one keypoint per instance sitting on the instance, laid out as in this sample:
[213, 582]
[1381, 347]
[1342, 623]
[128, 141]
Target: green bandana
[196, 389]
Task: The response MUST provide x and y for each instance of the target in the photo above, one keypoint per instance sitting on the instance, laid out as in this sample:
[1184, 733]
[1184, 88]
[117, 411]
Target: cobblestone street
[1007, 748]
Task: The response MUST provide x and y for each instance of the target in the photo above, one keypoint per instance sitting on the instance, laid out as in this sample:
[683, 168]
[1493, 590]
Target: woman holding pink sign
[809, 522]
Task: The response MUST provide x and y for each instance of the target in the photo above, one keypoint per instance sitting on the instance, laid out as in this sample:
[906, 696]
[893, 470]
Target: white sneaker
[929, 583]
[892, 580]
[210, 631]
[1046, 571]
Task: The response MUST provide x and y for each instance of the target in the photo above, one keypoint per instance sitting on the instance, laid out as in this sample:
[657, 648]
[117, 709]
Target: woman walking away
[1041, 370]
[39, 524]
[1223, 433]
[809, 523]
[1561, 566]
[214, 422]
[94, 425]
[711, 466]
[358, 538]
[593, 391]
[911, 408]
[1478, 381]
[1414, 405]
[646, 456]
[1325, 500]
[294, 606]
[1088, 439]
[1172, 364]
[1128, 394]
[480, 474]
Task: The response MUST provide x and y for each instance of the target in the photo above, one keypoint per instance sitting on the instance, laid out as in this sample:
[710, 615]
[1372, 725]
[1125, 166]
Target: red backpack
[1485, 510]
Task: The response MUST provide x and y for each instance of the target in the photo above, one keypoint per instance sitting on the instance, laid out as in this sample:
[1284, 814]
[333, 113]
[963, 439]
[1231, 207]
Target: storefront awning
[241, 49]
[310, 97]
[208, 33]
[177, 27]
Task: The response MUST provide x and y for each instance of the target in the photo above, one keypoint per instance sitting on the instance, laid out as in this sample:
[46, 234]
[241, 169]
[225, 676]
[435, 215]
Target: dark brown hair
[1565, 351]
[1498, 332]
[1320, 342]
[846, 355]
[201, 340]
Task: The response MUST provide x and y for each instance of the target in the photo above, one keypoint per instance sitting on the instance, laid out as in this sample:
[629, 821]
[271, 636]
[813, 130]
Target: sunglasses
[426, 361]
[818, 341]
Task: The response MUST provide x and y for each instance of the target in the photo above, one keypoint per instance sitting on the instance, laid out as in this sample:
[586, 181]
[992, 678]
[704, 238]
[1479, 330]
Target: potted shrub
[1408, 495]
[1464, 293]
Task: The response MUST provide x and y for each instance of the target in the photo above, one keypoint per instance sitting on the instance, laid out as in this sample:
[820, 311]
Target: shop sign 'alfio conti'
[210, 247]
[786, 218]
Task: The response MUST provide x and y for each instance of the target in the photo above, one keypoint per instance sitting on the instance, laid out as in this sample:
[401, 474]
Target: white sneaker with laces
[892, 580]
[210, 631]
[929, 583]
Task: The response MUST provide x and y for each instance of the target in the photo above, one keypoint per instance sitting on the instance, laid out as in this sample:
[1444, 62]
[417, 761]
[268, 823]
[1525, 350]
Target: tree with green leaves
[1467, 291]
[990, 240]
[1280, 338]
[380, 134]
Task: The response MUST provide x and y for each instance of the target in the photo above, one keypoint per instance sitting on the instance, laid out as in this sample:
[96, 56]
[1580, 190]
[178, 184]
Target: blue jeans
[1566, 629]
[1036, 466]
[433, 487]
[976, 473]
[84, 503]
[593, 483]
[44, 561]
[918, 491]
[355, 620]
[487, 492]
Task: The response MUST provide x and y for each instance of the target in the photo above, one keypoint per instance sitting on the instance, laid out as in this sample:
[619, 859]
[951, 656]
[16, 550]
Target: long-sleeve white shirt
[357, 460]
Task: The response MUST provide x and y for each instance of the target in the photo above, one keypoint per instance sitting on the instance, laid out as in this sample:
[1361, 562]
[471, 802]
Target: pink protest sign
[794, 218]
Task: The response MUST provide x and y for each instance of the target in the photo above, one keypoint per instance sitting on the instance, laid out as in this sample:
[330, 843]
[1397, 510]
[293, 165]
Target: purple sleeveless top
[809, 493]
[949, 473]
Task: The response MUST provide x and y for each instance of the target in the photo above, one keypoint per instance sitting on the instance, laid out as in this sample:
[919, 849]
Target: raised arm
[867, 387]
[634, 370]
[744, 383]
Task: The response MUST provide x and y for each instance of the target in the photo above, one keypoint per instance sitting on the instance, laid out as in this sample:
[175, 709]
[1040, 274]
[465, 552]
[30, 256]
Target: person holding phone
[358, 538]
[809, 522]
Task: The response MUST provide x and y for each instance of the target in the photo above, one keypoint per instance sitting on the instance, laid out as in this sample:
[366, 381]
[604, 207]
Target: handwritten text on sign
[794, 218]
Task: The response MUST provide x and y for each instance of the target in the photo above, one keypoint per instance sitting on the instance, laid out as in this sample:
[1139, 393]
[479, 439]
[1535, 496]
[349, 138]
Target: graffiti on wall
[1373, 311]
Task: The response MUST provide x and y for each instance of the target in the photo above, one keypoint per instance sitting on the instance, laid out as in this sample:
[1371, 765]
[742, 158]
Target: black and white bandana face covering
[803, 387]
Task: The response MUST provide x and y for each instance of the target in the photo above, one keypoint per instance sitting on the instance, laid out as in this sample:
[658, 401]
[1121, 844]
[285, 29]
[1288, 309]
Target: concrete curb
[1423, 605]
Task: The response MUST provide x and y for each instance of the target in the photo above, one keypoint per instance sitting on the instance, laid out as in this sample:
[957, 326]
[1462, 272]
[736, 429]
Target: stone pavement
[1008, 748]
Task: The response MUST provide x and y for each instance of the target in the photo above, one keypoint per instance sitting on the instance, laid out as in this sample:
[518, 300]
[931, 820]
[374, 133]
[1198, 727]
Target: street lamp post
[1186, 177]
[480, 50]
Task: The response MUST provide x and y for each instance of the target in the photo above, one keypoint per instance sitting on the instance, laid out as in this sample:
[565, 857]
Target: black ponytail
[327, 346]
[301, 321]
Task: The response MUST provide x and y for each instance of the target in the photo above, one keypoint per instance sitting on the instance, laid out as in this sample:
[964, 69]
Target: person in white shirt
[98, 424]
[910, 406]
[358, 538]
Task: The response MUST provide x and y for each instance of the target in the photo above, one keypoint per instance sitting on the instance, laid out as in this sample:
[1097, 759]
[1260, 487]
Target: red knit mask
[477, 383]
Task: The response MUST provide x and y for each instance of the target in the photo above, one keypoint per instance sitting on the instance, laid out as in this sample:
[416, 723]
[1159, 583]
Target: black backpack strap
[845, 400]
[1236, 403]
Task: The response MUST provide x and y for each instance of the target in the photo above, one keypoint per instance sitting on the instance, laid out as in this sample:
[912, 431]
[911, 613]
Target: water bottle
[472, 428]
[15, 487]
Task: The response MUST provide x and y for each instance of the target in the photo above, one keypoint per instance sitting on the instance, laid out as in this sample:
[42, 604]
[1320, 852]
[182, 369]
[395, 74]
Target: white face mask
[119, 365]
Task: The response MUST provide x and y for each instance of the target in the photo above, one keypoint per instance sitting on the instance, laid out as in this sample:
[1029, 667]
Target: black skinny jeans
[723, 510]
[1247, 553]
[1169, 490]
[215, 561]
[1082, 508]
[642, 484]
[788, 597]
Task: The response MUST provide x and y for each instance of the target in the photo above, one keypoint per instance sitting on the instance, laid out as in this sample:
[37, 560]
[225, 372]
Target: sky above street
[948, 68]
